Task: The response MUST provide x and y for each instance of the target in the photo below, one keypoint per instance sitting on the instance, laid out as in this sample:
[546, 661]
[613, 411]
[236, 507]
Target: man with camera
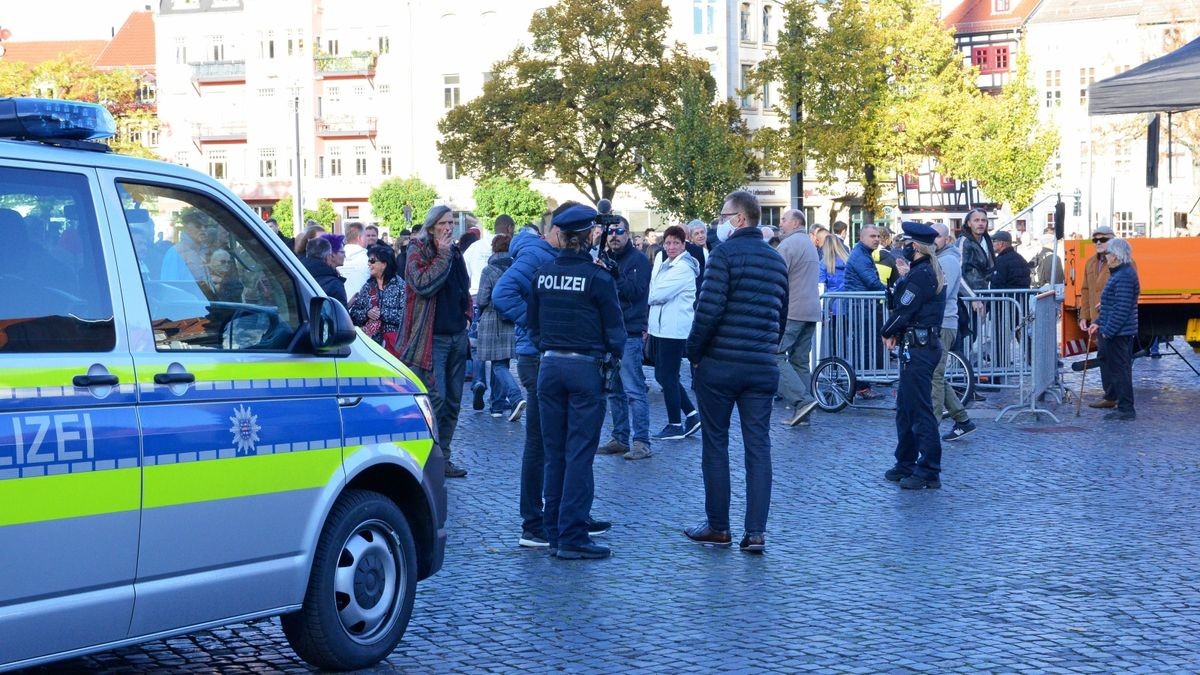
[628, 404]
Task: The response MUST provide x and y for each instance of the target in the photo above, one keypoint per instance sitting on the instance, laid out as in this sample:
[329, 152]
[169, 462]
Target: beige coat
[1095, 276]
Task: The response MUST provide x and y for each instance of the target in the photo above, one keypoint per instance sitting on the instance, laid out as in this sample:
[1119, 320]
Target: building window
[266, 48]
[766, 95]
[359, 91]
[990, 59]
[1123, 223]
[385, 89]
[335, 161]
[265, 92]
[450, 90]
[1001, 5]
[770, 216]
[385, 44]
[704, 15]
[451, 171]
[351, 213]
[152, 137]
[1053, 88]
[266, 163]
[1000, 59]
[216, 46]
[181, 158]
[360, 160]
[1086, 77]
[331, 46]
[333, 94]
[385, 160]
[180, 50]
[747, 99]
[218, 166]
[744, 22]
[912, 181]
[147, 92]
[766, 21]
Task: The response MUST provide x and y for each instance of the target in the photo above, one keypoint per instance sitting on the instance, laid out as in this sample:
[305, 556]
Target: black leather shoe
[598, 527]
[915, 482]
[754, 542]
[896, 474]
[585, 552]
[706, 536]
[1121, 415]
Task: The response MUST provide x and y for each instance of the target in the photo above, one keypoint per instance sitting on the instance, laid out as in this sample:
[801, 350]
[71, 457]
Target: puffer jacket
[743, 304]
[511, 293]
[1119, 303]
[633, 287]
[673, 296]
[861, 274]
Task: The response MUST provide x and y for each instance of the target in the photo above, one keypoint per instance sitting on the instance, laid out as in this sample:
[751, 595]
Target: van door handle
[105, 380]
[174, 378]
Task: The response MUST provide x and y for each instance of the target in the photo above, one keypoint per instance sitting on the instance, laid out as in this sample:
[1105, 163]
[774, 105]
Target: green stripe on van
[32, 500]
[190, 482]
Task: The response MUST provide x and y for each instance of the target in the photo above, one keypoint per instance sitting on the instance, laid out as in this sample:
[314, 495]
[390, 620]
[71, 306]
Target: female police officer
[918, 302]
[574, 320]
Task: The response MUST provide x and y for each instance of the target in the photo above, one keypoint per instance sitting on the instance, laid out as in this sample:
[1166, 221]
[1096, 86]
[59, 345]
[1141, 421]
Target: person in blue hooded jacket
[510, 297]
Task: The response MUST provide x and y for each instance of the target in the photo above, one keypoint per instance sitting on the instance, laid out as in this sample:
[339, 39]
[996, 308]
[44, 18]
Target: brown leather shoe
[1103, 403]
[612, 447]
[706, 536]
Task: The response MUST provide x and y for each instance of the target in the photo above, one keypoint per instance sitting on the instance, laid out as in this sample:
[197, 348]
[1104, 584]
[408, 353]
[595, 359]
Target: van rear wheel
[361, 588]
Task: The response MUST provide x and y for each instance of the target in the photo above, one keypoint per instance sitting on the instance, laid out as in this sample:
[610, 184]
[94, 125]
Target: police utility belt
[561, 354]
[921, 338]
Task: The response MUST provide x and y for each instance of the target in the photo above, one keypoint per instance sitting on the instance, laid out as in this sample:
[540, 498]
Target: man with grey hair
[945, 403]
[803, 312]
[1117, 327]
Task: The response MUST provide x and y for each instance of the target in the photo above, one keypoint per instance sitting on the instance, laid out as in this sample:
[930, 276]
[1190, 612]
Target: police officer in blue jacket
[574, 319]
[917, 302]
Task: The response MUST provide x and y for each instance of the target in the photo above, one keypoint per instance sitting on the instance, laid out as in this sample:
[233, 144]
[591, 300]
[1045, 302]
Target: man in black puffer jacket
[735, 336]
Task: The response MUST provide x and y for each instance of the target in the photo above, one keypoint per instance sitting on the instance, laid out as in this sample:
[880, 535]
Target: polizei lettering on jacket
[553, 282]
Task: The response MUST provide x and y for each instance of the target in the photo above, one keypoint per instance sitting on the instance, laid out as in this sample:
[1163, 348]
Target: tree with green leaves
[704, 157]
[495, 195]
[282, 212]
[325, 215]
[880, 85]
[389, 197]
[1004, 148]
[582, 103]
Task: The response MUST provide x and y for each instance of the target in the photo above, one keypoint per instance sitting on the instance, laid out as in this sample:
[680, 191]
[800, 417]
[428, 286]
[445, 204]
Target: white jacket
[355, 269]
[673, 296]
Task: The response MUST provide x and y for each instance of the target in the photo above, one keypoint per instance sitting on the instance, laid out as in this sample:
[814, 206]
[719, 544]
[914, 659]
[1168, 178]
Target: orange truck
[1169, 273]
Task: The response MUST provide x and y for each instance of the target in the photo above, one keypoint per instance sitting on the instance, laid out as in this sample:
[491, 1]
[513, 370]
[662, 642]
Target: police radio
[605, 219]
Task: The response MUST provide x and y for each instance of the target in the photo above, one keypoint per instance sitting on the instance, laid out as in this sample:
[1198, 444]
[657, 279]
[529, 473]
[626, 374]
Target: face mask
[724, 230]
[910, 252]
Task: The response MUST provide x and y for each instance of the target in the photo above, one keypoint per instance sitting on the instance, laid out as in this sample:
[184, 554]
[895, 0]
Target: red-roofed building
[988, 33]
[35, 53]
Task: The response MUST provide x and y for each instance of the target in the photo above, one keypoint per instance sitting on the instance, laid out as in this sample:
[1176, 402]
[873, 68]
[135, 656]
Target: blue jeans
[572, 412]
[630, 410]
[505, 392]
[445, 384]
[719, 386]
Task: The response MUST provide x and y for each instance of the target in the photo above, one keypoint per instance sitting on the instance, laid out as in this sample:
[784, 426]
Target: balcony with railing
[347, 127]
[219, 72]
[341, 67]
[219, 133]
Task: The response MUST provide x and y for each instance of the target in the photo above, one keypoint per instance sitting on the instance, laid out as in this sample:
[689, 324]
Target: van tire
[368, 539]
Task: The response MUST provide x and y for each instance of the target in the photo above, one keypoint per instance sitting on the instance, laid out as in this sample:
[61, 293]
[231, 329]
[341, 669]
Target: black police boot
[585, 552]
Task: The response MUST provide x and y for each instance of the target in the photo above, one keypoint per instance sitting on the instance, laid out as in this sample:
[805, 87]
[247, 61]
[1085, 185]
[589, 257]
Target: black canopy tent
[1170, 83]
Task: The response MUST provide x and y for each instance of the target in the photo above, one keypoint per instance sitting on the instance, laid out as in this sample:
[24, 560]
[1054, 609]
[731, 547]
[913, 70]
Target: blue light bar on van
[47, 119]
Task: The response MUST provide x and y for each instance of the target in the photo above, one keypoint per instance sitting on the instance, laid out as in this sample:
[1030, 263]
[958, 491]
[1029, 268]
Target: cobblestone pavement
[1056, 548]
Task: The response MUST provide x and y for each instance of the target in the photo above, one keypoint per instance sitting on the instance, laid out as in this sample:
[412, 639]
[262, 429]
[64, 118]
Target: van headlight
[426, 407]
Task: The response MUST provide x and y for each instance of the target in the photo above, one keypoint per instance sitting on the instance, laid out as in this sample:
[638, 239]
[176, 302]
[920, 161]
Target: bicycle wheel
[960, 377]
[833, 384]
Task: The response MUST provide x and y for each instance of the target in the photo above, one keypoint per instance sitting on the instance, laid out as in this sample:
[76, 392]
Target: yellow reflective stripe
[278, 370]
[12, 378]
[190, 482]
[370, 368]
[32, 500]
[418, 449]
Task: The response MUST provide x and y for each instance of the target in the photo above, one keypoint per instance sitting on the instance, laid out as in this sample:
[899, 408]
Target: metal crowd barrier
[1044, 373]
[1000, 340]
[850, 325]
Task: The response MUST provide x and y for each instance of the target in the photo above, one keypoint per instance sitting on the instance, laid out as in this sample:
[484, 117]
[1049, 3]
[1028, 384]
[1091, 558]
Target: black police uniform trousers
[571, 396]
[533, 459]
[918, 446]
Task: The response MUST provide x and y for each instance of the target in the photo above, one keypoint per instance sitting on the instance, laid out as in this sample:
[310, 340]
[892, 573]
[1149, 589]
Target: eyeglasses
[726, 216]
[1100, 240]
[617, 231]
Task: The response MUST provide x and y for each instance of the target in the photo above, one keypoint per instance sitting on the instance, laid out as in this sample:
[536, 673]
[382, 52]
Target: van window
[54, 293]
[210, 283]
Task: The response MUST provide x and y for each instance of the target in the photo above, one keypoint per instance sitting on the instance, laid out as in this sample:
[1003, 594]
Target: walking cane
[1086, 360]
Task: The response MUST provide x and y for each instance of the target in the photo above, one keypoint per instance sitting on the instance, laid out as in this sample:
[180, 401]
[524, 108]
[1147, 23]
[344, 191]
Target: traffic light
[1158, 216]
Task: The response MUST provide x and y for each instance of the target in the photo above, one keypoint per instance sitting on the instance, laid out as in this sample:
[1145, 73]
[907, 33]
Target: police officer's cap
[575, 218]
[919, 232]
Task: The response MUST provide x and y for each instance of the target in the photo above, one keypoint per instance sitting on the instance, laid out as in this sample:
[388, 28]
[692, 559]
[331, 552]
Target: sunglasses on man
[617, 231]
[1100, 240]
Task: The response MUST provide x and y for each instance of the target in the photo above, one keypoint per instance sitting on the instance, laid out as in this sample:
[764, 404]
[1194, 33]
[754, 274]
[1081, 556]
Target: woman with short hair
[1117, 326]
[378, 306]
[672, 302]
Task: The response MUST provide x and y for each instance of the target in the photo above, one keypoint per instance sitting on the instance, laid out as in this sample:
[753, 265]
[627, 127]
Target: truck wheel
[361, 588]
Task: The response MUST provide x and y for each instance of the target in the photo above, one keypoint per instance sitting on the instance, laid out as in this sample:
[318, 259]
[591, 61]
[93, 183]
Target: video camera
[606, 220]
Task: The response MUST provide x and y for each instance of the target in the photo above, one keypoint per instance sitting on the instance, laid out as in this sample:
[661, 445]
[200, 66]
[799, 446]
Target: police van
[191, 433]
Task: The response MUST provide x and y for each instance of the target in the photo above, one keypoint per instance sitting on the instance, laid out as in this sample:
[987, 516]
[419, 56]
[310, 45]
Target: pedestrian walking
[803, 312]
[1117, 326]
[734, 341]
[575, 320]
[918, 309]
[433, 337]
[672, 302]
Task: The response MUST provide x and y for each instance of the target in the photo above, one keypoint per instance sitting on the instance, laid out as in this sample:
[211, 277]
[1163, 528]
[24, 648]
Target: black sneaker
[960, 429]
[531, 540]
[516, 411]
[1121, 415]
[753, 542]
[671, 432]
[691, 423]
[896, 474]
[915, 482]
[585, 552]
[477, 403]
[598, 527]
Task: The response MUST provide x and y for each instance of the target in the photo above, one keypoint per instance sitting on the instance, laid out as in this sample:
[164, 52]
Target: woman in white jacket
[672, 307]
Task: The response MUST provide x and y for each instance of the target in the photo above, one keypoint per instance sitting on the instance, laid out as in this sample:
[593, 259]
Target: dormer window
[1001, 5]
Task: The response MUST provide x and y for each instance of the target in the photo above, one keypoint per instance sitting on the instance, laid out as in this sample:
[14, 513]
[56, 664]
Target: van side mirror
[329, 325]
